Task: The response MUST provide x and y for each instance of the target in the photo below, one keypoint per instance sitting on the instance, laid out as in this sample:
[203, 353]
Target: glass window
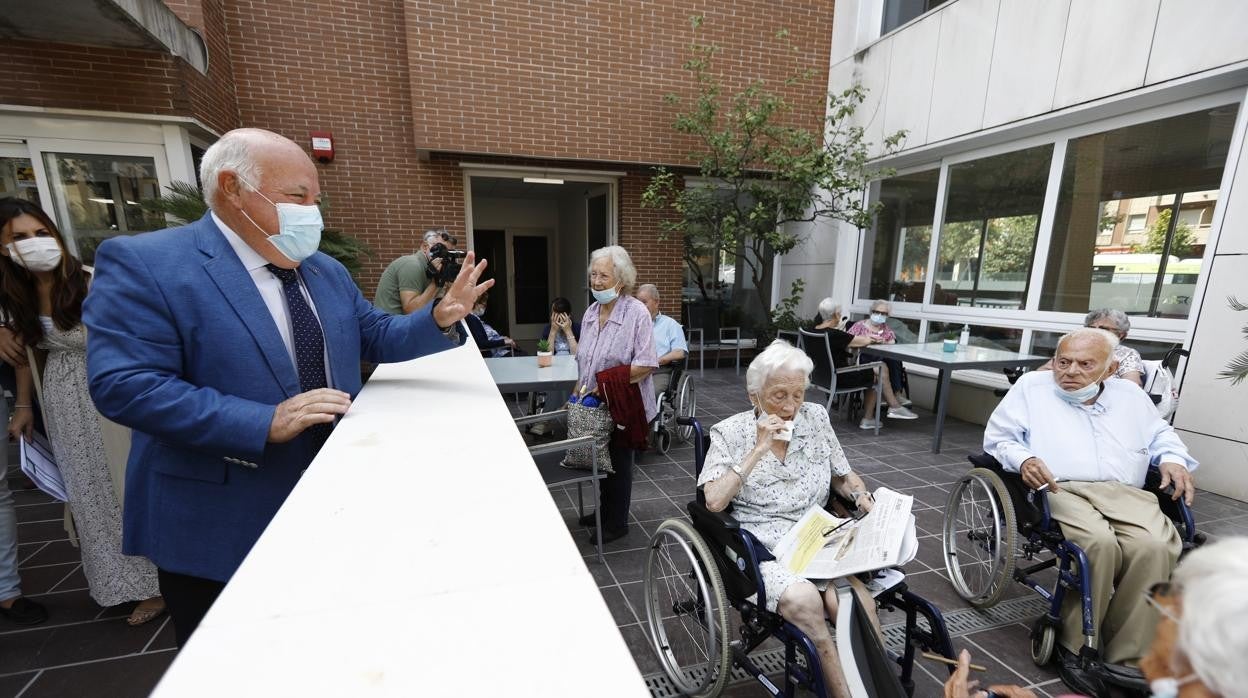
[99, 196]
[727, 283]
[988, 238]
[898, 12]
[896, 249]
[1045, 344]
[17, 178]
[1004, 338]
[1155, 186]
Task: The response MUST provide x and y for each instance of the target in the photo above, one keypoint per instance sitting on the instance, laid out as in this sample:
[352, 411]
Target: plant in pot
[544, 356]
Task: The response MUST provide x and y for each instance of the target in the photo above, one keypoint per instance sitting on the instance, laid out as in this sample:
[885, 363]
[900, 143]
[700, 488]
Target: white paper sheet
[884, 538]
[40, 466]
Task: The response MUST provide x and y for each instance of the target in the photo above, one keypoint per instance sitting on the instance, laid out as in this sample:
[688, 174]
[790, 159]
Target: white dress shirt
[1115, 438]
[270, 288]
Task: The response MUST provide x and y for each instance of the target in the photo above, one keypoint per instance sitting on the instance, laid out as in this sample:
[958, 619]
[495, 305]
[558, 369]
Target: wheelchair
[997, 529]
[697, 570]
[678, 401]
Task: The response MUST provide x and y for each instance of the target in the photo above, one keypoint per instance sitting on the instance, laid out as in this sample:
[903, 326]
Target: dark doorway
[492, 245]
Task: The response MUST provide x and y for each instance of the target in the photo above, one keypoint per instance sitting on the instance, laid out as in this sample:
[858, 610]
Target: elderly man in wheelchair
[1082, 443]
[768, 466]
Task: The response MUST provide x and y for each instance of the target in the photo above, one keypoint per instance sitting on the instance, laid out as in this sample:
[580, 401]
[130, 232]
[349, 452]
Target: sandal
[142, 614]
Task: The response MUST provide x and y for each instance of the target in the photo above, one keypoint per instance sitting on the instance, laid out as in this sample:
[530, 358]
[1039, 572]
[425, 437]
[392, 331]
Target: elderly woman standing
[772, 478]
[1130, 364]
[616, 331]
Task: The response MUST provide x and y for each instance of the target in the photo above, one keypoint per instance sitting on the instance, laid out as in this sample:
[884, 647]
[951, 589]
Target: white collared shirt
[1115, 438]
[270, 288]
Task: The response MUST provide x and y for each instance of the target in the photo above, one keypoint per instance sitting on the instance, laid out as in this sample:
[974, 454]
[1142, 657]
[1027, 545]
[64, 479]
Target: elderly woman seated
[772, 475]
[1130, 363]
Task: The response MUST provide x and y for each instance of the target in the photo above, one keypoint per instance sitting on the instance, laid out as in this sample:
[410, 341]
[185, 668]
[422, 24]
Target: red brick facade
[409, 87]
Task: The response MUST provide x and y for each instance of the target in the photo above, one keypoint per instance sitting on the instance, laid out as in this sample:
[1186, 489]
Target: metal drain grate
[960, 622]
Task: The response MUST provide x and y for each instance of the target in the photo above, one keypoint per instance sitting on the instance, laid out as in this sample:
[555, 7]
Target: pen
[951, 662]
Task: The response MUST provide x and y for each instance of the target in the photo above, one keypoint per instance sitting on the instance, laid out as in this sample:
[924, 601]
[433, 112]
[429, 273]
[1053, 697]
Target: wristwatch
[736, 468]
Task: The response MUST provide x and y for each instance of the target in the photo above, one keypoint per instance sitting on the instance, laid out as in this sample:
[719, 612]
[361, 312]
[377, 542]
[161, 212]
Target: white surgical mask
[36, 254]
[478, 311]
[606, 296]
[879, 318]
[1168, 686]
[299, 228]
[1081, 395]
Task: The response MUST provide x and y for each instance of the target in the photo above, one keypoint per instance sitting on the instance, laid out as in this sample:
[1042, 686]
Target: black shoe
[25, 612]
[608, 535]
[586, 520]
[1081, 678]
[1123, 676]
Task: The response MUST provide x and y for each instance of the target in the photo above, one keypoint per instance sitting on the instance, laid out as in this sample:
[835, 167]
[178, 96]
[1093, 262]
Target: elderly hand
[12, 349]
[318, 406]
[462, 293]
[768, 425]
[958, 685]
[22, 423]
[1178, 475]
[1036, 474]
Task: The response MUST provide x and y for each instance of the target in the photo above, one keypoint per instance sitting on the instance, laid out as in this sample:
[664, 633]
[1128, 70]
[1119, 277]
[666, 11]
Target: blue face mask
[879, 318]
[1082, 395]
[606, 296]
[299, 228]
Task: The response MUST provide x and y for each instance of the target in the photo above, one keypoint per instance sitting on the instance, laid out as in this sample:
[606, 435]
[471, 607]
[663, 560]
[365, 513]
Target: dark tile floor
[84, 650]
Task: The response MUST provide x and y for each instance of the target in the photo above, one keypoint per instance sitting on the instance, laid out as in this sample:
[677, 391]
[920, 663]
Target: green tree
[760, 172]
[1180, 245]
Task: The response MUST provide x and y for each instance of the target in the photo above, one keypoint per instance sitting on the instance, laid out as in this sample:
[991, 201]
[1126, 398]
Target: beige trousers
[1130, 545]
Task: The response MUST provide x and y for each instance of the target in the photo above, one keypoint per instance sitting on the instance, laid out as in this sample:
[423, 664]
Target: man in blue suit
[230, 346]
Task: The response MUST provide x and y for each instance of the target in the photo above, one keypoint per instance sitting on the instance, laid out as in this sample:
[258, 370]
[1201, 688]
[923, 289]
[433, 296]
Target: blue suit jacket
[183, 351]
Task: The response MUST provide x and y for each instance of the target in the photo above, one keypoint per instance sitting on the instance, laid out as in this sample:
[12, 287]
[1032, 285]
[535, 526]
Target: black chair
[696, 570]
[825, 376]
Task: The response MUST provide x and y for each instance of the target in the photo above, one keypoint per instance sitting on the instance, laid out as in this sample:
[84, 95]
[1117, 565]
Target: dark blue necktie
[308, 339]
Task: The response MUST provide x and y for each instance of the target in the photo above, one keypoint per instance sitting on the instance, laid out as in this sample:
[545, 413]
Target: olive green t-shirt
[406, 273]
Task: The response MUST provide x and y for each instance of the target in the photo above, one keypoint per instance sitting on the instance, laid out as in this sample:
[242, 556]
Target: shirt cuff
[1174, 458]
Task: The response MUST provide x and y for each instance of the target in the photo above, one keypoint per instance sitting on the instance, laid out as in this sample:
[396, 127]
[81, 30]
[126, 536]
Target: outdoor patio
[86, 651]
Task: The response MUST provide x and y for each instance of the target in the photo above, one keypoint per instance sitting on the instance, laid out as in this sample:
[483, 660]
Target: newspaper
[823, 546]
[40, 466]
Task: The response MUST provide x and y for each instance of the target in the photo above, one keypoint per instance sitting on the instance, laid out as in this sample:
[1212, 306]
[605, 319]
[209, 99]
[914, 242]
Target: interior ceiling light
[543, 180]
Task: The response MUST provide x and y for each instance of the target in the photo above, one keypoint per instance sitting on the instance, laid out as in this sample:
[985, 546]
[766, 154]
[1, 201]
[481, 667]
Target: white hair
[1119, 318]
[880, 301]
[829, 310]
[621, 264]
[778, 356]
[232, 153]
[650, 290]
[1109, 339]
[1212, 632]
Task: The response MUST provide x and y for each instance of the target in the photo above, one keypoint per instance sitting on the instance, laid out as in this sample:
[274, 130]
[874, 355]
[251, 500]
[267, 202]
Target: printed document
[823, 546]
[40, 466]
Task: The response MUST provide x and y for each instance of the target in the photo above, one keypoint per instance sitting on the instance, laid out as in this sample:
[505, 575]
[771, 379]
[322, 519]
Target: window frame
[1031, 318]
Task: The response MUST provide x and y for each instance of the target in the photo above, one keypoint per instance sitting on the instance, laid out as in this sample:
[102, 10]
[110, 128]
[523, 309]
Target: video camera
[452, 262]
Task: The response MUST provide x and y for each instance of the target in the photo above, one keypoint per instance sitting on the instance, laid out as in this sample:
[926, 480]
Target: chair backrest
[676, 369]
[817, 347]
[791, 336]
[869, 670]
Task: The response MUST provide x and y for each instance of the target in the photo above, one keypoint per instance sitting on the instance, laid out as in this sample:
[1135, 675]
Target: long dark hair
[19, 296]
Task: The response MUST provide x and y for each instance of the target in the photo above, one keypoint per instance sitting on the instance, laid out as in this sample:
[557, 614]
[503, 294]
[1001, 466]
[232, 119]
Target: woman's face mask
[35, 254]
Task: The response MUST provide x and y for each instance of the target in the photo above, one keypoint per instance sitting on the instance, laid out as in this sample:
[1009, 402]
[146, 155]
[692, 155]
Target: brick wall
[569, 78]
[125, 80]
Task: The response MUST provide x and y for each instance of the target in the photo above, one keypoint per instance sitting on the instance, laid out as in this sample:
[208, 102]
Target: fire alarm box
[323, 146]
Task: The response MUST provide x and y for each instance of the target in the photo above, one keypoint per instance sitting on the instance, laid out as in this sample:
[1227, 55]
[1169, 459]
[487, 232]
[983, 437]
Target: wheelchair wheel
[663, 440]
[979, 538]
[686, 406]
[686, 610]
[1043, 641]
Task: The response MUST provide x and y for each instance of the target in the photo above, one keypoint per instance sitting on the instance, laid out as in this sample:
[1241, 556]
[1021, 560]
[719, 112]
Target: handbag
[589, 421]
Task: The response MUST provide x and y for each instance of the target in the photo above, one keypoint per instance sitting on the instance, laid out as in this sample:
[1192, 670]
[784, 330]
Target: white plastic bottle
[965, 338]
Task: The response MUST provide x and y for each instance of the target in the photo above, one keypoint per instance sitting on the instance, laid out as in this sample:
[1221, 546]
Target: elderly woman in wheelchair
[1067, 464]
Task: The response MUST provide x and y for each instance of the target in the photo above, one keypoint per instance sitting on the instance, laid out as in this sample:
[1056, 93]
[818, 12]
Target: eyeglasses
[833, 529]
[1156, 590]
[1113, 330]
[599, 276]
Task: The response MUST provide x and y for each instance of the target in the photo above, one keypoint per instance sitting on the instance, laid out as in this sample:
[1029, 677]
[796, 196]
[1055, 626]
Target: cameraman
[407, 285]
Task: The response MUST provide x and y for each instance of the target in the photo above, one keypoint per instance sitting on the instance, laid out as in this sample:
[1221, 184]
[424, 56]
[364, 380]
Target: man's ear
[1113, 368]
[231, 187]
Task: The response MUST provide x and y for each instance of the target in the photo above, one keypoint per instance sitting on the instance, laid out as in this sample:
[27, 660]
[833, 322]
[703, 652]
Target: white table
[521, 374]
[933, 354]
[421, 554]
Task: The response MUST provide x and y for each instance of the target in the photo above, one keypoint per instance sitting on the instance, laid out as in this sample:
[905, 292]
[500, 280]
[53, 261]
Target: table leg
[942, 399]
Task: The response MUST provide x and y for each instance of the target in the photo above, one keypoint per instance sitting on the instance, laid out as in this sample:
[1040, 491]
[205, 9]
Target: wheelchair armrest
[540, 417]
[860, 367]
[719, 519]
[558, 446]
